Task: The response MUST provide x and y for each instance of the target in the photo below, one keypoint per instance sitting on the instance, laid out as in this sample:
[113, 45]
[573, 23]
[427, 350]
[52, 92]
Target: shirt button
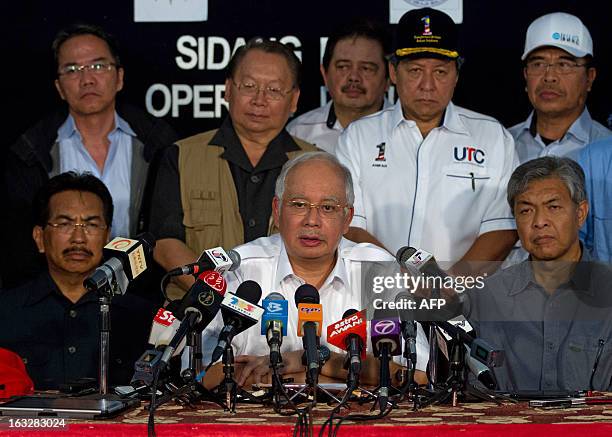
[73, 313]
[251, 223]
[71, 349]
[255, 179]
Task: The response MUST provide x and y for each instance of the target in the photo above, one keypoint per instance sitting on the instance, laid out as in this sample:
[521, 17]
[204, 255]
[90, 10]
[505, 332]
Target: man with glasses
[216, 188]
[312, 214]
[116, 143]
[430, 174]
[559, 73]
[52, 321]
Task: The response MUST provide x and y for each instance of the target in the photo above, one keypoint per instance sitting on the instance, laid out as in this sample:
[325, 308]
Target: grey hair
[566, 169]
[312, 156]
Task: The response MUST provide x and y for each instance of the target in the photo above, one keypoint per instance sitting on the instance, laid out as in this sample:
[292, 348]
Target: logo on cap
[426, 22]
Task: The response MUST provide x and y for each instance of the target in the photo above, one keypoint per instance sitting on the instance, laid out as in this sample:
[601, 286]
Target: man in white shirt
[312, 214]
[559, 74]
[427, 173]
[355, 73]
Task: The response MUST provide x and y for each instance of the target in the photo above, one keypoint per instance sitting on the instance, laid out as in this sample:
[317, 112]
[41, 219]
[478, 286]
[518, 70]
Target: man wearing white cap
[559, 73]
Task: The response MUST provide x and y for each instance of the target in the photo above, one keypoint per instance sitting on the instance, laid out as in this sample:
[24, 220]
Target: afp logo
[469, 154]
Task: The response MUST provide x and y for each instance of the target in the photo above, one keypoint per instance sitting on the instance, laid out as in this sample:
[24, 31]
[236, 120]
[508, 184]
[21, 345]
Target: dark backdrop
[492, 36]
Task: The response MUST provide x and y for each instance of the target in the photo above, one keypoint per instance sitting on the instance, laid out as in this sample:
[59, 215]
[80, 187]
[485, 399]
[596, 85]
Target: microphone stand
[312, 386]
[228, 389]
[382, 392]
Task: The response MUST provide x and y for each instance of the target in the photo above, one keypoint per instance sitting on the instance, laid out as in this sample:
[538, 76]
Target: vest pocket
[202, 220]
[204, 210]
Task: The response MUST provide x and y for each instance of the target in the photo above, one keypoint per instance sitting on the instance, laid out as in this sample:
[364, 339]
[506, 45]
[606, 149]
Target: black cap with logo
[426, 33]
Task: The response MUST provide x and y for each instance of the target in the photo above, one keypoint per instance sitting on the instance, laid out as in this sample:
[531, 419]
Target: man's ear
[276, 211]
[582, 212]
[37, 235]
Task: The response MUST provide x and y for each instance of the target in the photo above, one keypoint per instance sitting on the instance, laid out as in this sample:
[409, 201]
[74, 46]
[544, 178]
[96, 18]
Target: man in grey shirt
[559, 73]
[552, 314]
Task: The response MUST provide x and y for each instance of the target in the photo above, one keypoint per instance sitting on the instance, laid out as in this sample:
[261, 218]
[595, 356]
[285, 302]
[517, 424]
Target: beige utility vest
[208, 194]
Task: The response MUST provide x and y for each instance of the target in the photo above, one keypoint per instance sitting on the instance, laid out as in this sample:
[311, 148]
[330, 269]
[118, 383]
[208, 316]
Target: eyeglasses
[249, 89]
[538, 68]
[327, 209]
[72, 71]
[68, 228]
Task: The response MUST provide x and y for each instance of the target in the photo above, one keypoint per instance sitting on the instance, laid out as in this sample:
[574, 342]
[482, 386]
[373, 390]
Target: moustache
[77, 249]
[548, 88]
[353, 86]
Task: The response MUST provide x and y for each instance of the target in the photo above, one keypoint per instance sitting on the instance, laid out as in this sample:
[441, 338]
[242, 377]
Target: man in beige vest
[216, 188]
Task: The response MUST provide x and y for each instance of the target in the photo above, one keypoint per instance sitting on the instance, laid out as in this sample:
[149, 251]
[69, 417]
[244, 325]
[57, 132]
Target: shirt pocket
[578, 361]
[465, 179]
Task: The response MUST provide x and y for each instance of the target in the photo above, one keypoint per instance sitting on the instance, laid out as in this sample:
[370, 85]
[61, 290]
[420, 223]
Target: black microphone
[310, 317]
[125, 260]
[215, 259]
[419, 261]
[240, 311]
[198, 308]
[408, 328]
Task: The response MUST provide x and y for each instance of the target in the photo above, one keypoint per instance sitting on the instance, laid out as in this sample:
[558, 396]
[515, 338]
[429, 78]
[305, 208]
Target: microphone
[419, 261]
[125, 260]
[408, 328]
[480, 349]
[385, 334]
[197, 309]
[350, 334]
[481, 371]
[215, 259]
[310, 319]
[164, 326]
[274, 324]
[240, 311]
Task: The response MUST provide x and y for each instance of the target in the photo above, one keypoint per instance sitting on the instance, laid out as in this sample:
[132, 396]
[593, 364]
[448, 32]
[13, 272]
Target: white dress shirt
[265, 261]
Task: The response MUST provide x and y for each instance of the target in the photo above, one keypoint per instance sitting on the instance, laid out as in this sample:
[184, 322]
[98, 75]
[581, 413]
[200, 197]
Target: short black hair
[71, 181]
[78, 29]
[268, 46]
[359, 27]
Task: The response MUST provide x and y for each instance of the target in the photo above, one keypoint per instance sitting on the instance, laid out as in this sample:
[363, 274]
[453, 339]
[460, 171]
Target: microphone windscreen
[404, 253]
[249, 291]
[349, 312]
[235, 257]
[306, 293]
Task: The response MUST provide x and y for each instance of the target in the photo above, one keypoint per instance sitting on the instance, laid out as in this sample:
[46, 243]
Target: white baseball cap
[560, 30]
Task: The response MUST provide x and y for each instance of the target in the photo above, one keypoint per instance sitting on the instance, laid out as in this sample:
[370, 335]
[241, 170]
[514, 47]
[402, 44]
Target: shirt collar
[451, 119]
[42, 287]
[580, 280]
[274, 156]
[284, 269]
[68, 128]
[332, 121]
[580, 128]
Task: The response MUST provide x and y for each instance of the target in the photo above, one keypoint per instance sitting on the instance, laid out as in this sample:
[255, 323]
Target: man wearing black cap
[428, 173]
